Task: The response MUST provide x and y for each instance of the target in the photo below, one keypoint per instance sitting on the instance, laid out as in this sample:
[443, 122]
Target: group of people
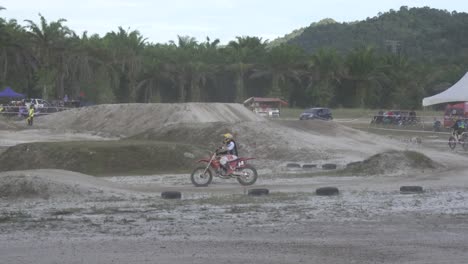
[395, 117]
[29, 112]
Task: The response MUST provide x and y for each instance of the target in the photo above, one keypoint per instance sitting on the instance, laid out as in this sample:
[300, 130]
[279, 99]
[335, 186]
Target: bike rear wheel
[452, 142]
[200, 178]
[248, 175]
[464, 142]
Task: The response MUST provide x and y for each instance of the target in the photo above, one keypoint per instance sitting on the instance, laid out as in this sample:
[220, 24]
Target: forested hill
[339, 64]
[419, 33]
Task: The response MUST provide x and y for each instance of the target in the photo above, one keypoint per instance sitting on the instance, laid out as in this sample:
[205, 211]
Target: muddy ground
[59, 216]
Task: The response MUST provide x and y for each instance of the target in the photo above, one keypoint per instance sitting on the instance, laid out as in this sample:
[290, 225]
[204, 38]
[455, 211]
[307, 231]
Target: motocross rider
[228, 152]
[458, 128]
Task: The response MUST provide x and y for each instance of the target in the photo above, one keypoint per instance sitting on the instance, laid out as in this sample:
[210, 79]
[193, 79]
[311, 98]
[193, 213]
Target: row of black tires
[323, 191]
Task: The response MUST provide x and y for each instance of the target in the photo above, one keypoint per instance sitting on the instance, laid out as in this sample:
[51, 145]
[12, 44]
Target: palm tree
[397, 75]
[420, 80]
[158, 70]
[184, 56]
[88, 66]
[282, 63]
[363, 69]
[7, 47]
[50, 41]
[16, 58]
[203, 68]
[127, 48]
[245, 51]
[326, 70]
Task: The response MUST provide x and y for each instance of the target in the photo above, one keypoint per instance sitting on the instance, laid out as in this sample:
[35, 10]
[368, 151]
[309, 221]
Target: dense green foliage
[327, 64]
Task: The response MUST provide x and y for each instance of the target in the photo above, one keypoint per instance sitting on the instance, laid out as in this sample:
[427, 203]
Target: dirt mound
[393, 162]
[131, 119]
[197, 127]
[54, 183]
[278, 140]
[254, 140]
[175, 147]
[102, 157]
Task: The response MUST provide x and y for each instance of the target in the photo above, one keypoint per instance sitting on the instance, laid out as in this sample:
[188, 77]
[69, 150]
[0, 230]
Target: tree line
[49, 60]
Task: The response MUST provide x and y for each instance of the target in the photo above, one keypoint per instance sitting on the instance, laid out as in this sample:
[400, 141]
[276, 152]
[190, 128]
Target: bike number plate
[241, 163]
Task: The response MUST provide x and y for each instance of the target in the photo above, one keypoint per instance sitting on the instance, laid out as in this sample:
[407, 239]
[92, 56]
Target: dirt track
[124, 220]
[413, 239]
[369, 222]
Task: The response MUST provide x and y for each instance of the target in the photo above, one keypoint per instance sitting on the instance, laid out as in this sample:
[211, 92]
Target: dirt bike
[244, 173]
[462, 140]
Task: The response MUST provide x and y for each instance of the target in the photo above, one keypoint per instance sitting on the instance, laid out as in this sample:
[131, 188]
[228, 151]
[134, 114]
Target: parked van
[454, 112]
[40, 105]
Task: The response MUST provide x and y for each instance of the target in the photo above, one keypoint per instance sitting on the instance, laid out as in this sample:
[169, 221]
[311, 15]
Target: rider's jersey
[459, 124]
[231, 148]
[31, 112]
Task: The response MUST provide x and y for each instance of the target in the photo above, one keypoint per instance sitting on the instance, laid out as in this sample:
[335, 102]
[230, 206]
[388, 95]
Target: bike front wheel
[200, 177]
[464, 142]
[452, 142]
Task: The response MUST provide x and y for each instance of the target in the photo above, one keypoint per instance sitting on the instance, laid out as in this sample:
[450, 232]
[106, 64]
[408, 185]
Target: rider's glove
[221, 150]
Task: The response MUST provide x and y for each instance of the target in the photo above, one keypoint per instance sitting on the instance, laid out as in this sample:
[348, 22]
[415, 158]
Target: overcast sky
[161, 21]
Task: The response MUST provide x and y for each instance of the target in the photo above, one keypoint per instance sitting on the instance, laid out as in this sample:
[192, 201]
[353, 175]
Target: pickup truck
[40, 105]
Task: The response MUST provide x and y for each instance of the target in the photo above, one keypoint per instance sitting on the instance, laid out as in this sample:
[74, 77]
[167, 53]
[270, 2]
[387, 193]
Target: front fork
[209, 164]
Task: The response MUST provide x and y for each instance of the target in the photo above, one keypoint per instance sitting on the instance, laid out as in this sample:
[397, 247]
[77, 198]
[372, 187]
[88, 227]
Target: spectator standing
[31, 115]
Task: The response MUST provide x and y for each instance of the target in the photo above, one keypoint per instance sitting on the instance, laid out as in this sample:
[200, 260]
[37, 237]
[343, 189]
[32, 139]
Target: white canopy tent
[457, 93]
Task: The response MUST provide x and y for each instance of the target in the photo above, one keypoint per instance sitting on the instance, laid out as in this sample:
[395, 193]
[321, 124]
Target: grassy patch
[159, 218]
[13, 216]
[395, 130]
[123, 157]
[243, 209]
[66, 211]
[330, 173]
[244, 199]
[5, 218]
[112, 210]
[349, 112]
[336, 112]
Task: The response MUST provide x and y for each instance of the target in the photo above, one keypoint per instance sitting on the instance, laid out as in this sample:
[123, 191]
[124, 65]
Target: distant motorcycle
[462, 140]
[245, 173]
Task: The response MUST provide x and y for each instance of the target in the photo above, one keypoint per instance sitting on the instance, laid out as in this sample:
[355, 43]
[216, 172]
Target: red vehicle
[244, 173]
[454, 112]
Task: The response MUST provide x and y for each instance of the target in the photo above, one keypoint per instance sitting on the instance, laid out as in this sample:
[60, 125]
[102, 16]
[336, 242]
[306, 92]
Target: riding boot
[223, 170]
[230, 169]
